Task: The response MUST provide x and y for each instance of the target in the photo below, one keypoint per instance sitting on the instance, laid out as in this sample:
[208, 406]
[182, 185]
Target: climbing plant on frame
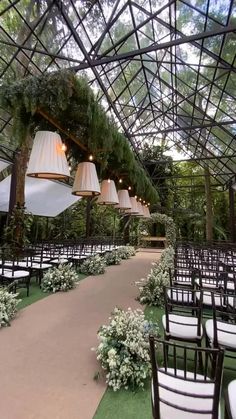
[169, 224]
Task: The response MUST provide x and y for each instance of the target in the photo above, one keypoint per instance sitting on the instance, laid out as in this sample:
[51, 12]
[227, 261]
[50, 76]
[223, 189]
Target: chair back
[181, 386]
[182, 302]
[224, 319]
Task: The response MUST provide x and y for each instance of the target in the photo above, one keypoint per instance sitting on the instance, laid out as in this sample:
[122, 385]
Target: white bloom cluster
[113, 258]
[123, 349]
[8, 307]
[152, 289]
[62, 278]
[94, 265]
[125, 252]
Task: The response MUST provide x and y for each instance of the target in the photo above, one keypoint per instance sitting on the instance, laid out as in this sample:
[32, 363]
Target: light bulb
[63, 147]
[129, 188]
[120, 180]
[90, 157]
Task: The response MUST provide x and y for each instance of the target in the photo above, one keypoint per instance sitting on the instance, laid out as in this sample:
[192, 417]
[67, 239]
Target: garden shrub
[152, 288]
[8, 307]
[94, 265]
[113, 258]
[124, 350]
[62, 278]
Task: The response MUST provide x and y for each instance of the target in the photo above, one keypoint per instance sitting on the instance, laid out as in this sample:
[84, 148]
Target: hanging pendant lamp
[108, 193]
[140, 209]
[146, 212]
[134, 209]
[48, 159]
[86, 180]
[124, 200]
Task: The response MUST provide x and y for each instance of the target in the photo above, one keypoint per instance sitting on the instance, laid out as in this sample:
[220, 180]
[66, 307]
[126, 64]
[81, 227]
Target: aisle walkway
[47, 367]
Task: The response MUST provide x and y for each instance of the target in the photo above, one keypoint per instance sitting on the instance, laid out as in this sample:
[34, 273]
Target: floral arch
[169, 226]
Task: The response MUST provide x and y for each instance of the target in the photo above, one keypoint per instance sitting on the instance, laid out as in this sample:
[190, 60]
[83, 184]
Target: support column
[232, 215]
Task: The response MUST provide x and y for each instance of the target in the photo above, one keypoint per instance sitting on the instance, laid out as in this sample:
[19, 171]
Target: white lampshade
[124, 200]
[86, 180]
[140, 209]
[134, 209]
[146, 212]
[108, 193]
[48, 159]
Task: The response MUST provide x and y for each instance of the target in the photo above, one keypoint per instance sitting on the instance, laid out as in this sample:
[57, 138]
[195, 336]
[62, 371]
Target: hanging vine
[69, 100]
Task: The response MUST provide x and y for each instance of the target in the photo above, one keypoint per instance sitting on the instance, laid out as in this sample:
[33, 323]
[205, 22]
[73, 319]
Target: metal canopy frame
[163, 68]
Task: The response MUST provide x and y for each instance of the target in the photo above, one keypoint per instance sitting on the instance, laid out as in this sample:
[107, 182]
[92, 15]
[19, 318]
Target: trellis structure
[164, 69]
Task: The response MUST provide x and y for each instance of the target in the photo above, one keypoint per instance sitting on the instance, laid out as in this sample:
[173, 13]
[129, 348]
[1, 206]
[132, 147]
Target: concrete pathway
[47, 366]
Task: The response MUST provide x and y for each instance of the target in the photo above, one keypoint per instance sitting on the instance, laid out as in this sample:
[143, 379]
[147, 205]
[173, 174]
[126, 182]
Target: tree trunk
[21, 165]
[209, 211]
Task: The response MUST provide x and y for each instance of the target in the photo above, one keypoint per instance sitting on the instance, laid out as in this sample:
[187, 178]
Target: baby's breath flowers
[124, 350]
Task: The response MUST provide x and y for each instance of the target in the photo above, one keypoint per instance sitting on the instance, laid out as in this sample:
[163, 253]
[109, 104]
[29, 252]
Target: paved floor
[47, 366]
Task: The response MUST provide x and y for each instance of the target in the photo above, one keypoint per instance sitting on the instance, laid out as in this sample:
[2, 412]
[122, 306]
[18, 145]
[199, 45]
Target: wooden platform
[155, 239]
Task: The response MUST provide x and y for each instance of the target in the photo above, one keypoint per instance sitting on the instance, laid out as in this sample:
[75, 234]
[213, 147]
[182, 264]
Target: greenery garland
[170, 229]
[69, 100]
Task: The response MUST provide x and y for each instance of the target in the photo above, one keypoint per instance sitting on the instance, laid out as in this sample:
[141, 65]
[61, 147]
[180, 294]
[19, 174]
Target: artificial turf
[126, 404]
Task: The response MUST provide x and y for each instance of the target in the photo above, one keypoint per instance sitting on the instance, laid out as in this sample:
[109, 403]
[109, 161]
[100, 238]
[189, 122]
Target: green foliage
[94, 265]
[17, 232]
[113, 258]
[70, 100]
[190, 205]
[152, 288]
[62, 278]
[8, 307]
[125, 252]
[123, 349]
[170, 229]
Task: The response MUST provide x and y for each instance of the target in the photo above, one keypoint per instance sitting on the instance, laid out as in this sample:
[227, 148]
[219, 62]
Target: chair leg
[200, 361]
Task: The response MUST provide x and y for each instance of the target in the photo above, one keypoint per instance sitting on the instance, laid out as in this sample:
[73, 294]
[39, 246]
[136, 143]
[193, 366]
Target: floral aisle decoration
[62, 278]
[125, 252]
[94, 265]
[152, 288]
[124, 350]
[8, 307]
[113, 258]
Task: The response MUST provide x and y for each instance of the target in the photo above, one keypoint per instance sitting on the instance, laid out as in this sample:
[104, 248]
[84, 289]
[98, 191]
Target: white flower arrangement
[125, 252]
[62, 278]
[8, 307]
[152, 289]
[113, 258]
[94, 265]
[123, 349]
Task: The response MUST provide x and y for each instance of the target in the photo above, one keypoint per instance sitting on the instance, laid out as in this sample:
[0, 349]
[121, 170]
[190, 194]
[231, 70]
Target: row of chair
[17, 270]
[199, 303]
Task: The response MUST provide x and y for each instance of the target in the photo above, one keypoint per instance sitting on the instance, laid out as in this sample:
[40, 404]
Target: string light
[120, 180]
[140, 199]
[129, 188]
[90, 157]
[63, 147]
[109, 180]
